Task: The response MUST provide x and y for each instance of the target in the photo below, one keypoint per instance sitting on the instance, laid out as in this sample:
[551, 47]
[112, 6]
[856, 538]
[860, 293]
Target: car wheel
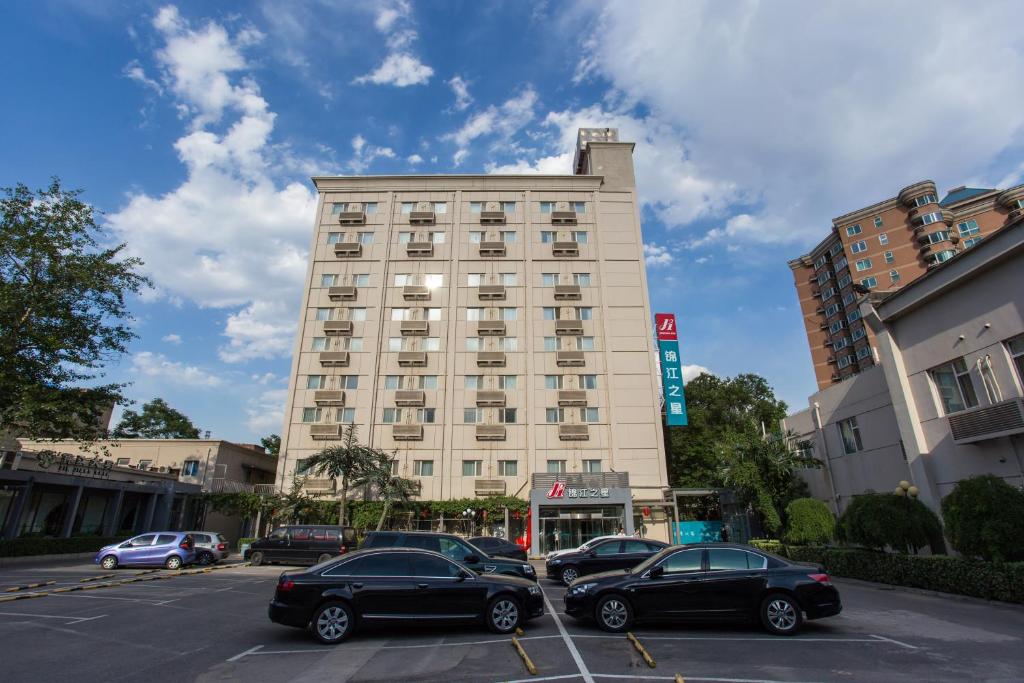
[323, 558]
[205, 558]
[570, 574]
[173, 562]
[780, 615]
[256, 559]
[109, 562]
[332, 622]
[504, 614]
[613, 613]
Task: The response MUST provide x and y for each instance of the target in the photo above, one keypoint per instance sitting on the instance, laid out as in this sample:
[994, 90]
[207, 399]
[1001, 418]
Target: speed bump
[14, 589]
[641, 649]
[23, 596]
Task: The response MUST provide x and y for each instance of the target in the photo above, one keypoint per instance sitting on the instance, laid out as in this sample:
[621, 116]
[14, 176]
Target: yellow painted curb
[640, 648]
[679, 678]
[530, 666]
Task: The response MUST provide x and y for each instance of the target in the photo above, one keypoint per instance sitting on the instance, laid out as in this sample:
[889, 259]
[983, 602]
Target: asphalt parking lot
[213, 627]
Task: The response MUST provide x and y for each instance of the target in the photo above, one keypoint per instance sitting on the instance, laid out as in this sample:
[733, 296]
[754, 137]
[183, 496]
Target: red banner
[666, 326]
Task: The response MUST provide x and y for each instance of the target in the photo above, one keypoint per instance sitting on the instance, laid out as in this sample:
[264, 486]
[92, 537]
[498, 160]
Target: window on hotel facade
[392, 382]
[588, 381]
[474, 343]
[878, 221]
[863, 264]
[433, 280]
[472, 468]
[427, 382]
[191, 468]
[548, 279]
[938, 236]
[392, 415]
[507, 236]
[508, 313]
[584, 343]
[509, 279]
[361, 280]
[954, 386]
[841, 344]
[579, 236]
[316, 381]
[353, 344]
[1015, 347]
[551, 344]
[836, 326]
[883, 239]
[849, 298]
[431, 344]
[581, 279]
[554, 415]
[589, 415]
[858, 247]
[853, 230]
[508, 468]
[836, 249]
[507, 416]
[547, 236]
[328, 280]
[926, 199]
[357, 314]
[323, 313]
[507, 343]
[439, 207]
[365, 237]
[844, 280]
[858, 333]
[346, 416]
[476, 236]
[423, 468]
[863, 353]
[968, 243]
[831, 310]
[474, 279]
[556, 467]
[852, 316]
[870, 282]
[930, 218]
[426, 415]
[849, 432]
[472, 416]
[828, 293]
[507, 382]
[591, 466]
[894, 276]
[319, 344]
[578, 207]
[350, 382]
[968, 228]
[312, 414]
[889, 257]
[820, 262]
[473, 381]
[553, 381]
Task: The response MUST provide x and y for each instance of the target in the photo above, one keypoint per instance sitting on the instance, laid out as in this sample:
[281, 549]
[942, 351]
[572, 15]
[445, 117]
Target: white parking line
[258, 650]
[544, 678]
[580, 664]
[896, 642]
[70, 620]
[796, 639]
[641, 677]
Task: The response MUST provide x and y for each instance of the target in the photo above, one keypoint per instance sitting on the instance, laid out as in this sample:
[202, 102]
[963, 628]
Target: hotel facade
[493, 331]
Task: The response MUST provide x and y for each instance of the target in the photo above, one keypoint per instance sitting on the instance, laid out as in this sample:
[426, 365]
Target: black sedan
[717, 581]
[614, 553]
[499, 547]
[399, 585]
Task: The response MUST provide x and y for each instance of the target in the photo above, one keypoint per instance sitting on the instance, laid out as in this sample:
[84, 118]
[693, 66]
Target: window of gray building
[954, 386]
[1016, 348]
[849, 432]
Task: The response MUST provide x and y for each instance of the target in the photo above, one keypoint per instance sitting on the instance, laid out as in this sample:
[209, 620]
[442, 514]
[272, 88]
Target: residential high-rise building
[491, 330]
[886, 246]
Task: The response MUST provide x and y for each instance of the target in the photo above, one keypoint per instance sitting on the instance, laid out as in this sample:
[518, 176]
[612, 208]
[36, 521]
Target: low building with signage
[945, 399]
[185, 468]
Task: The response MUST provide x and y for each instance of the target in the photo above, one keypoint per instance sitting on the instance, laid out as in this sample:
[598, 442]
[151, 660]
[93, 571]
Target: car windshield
[652, 560]
[475, 550]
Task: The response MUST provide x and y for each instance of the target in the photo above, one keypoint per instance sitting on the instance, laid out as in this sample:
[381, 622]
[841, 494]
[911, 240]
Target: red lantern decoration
[423, 514]
[647, 512]
[516, 514]
[484, 515]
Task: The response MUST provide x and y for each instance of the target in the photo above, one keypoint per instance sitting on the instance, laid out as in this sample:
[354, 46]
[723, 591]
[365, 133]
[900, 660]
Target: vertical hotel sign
[671, 371]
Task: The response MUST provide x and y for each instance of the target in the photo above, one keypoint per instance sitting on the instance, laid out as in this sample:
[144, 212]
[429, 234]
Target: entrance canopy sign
[671, 370]
[559, 490]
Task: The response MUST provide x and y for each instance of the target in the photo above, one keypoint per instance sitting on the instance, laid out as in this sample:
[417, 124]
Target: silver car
[211, 548]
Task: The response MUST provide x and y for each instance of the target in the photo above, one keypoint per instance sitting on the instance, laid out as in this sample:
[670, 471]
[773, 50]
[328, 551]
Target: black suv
[302, 544]
[451, 546]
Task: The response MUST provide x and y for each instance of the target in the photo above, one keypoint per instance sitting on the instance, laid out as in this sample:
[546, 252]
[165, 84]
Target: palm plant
[350, 462]
[390, 489]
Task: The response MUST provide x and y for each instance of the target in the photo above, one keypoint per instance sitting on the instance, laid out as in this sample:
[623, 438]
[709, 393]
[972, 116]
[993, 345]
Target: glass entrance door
[562, 528]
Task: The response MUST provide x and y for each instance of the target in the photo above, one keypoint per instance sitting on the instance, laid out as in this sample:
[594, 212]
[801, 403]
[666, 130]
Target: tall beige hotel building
[494, 332]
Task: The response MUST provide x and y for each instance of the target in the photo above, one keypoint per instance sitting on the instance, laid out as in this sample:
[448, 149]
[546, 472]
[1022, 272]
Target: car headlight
[581, 589]
[534, 590]
[555, 561]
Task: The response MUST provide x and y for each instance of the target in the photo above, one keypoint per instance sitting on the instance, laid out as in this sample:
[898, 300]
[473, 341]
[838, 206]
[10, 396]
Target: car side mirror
[656, 571]
[471, 559]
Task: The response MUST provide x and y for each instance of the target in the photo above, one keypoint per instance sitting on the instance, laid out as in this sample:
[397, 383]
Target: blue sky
[194, 127]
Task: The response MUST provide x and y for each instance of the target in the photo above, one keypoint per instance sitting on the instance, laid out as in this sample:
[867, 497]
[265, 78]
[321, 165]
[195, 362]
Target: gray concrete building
[485, 328]
[945, 399]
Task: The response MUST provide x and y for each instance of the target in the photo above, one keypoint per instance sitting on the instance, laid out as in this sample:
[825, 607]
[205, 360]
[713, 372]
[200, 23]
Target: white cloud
[265, 412]
[655, 255]
[501, 121]
[691, 372]
[365, 154]
[401, 67]
[135, 72]
[230, 236]
[803, 113]
[157, 365]
[460, 87]
[172, 339]
[398, 69]
[414, 159]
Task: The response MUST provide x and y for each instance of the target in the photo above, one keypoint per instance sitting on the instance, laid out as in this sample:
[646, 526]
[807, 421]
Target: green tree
[63, 313]
[983, 516]
[350, 463]
[156, 421]
[722, 412]
[880, 520]
[271, 444]
[388, 488]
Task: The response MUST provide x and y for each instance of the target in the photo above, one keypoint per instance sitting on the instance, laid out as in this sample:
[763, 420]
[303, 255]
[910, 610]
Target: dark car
[499, 547]
[614, 553]
[400, 584]
[453, 547]
[302, 544]
[720, 581]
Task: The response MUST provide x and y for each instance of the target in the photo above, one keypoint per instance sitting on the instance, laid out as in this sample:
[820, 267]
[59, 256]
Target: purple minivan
[170, 549]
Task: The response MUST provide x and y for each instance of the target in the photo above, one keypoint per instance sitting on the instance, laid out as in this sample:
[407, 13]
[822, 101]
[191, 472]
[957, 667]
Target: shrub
[983, 517]
[939, 573]
[243, 541]
[809, 521]
[24, 547]
[880, 520]
[769, 545]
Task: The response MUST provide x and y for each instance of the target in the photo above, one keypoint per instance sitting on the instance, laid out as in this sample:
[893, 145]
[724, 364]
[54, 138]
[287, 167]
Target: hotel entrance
[570, 527]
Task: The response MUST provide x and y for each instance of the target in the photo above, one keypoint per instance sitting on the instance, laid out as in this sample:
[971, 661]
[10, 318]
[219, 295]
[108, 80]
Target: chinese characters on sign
[671, 370]
[558, 490]
[77, 465]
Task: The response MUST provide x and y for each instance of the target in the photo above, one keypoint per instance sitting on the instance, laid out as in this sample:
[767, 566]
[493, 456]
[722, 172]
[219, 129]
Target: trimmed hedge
[25, 547]
[984, 516]
[880, 520]
[809, 521]
[988, 580]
